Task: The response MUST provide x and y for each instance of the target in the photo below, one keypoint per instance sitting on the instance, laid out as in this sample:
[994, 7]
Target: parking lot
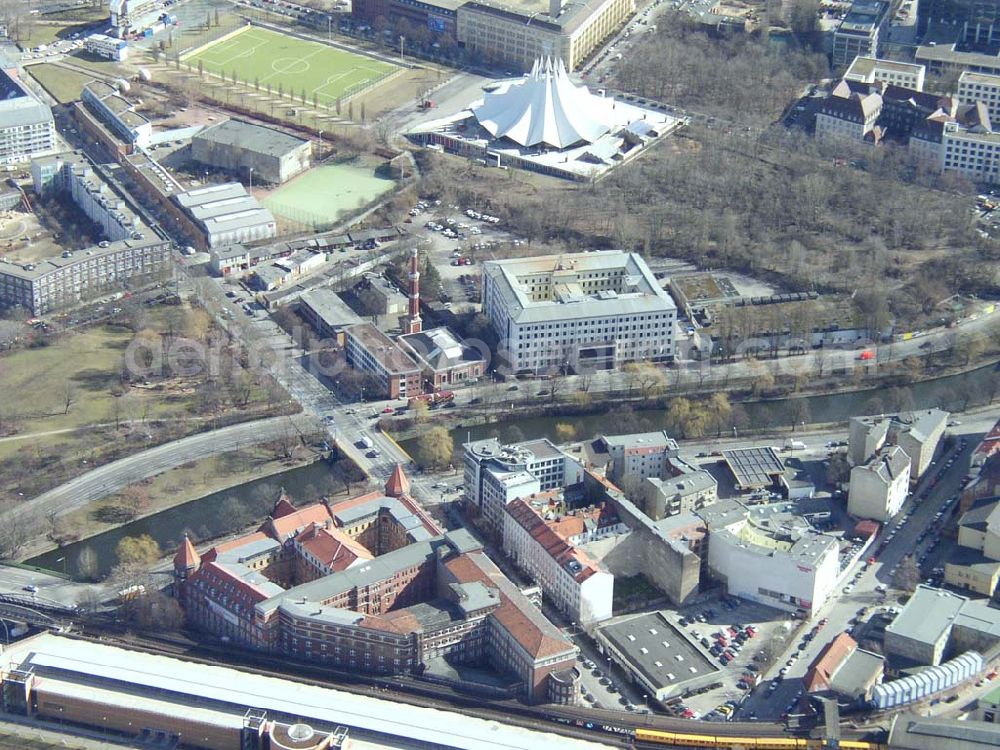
[456, 239]
[739, 635]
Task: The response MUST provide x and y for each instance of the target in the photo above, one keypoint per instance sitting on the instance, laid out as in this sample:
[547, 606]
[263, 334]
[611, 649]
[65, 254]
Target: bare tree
[69, 396]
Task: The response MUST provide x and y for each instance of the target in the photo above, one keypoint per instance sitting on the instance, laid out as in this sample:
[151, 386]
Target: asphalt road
[842, 608]
[110, 478]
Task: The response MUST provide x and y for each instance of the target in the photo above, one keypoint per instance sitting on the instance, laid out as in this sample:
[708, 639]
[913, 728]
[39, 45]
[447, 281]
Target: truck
[794, 445]
[366, 442]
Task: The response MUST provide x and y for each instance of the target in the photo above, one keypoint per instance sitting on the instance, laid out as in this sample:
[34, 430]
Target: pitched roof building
[318, 582]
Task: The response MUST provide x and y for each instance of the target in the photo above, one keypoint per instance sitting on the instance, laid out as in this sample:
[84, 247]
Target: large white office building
[579, 311]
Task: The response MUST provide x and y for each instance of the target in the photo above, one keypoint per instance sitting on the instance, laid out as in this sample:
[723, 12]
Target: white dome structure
[545, 108]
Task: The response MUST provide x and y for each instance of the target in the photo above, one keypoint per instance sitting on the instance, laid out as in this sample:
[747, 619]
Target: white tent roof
[546, 107]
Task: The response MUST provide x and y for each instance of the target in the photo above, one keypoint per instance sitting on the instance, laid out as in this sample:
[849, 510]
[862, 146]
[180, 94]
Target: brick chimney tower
[413, 323]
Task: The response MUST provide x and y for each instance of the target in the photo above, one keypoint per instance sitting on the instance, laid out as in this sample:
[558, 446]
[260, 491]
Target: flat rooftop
[172, 681]
[327, 305]
[249, 136]
[868, 65]
[577, 285]
[986, 79]
[863, 17]
[927, 615]
[912, 732]
[382, 348]
[660, 652]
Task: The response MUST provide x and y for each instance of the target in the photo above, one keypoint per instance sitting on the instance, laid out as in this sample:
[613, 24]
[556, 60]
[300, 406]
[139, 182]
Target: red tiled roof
[567, 526]
[558, 548]
[401, 621]
[990, 443]
[332, 547]
[187, 556]
[516, 620]
[608, 484]
[822, 670]
[398, 485]
[286, 526]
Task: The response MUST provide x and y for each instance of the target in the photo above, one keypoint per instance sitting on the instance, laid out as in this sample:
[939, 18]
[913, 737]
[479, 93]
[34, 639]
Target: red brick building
[370, 584]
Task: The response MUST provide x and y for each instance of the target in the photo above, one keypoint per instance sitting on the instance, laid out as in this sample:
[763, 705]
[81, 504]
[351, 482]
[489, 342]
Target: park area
[293, 67]
[80, 405]
[321, 196]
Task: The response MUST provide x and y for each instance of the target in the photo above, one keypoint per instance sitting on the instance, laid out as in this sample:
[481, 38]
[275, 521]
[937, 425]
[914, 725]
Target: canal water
[207, 517]
[228, 511]
[954, 392]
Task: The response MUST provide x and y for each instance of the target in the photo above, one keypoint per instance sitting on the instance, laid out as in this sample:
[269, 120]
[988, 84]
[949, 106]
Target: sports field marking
[263, 57]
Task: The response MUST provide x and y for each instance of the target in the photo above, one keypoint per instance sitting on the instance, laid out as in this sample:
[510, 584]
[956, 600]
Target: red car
[387, 410]
[871, 560]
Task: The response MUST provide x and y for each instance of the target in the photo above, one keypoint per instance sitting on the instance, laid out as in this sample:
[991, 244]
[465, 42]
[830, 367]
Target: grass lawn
[263, 57]
[63, 85]
[105, 420]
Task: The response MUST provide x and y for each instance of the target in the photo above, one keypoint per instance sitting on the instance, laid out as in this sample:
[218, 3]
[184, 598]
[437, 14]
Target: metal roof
[910, 732]
[251, 137]
[664, 655]
[191, 682]
[928, 615]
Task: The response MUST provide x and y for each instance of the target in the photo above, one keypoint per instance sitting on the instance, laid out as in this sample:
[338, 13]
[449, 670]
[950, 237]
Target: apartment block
[117, 113]
[62, 282]
[27, 129]
[578, 586]
[917, 432]
[879, 486]
[861, 32]
[129, 250]
[497, 474]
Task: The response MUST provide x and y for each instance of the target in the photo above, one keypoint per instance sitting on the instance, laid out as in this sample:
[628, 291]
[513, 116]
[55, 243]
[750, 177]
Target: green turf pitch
[270, 58]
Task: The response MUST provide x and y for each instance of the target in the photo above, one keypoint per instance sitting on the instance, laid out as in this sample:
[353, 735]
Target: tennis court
[261, 57]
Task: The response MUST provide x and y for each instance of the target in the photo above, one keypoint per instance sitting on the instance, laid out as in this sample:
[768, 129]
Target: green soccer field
[269, 58]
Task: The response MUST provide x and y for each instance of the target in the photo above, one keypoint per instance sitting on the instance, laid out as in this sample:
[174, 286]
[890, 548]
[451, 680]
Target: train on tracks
[678, 739]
